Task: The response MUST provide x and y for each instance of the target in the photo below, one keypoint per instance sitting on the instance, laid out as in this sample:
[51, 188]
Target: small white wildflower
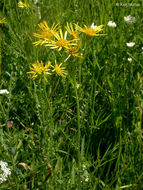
[84, 166]
[35, 1]
[130, 44]
[111, 24]
[4, 91]
[77, 86]
[87, 179]
[129, 19]
[93, 26]
[6, 171]
[130, 59]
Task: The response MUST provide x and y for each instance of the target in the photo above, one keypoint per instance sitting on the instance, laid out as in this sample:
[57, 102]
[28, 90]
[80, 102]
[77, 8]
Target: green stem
[48, 103]
[79, 133]
[37, 104]
[5, 117]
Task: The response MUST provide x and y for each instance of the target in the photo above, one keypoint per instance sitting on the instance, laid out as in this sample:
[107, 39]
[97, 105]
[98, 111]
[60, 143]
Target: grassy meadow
[71, 119]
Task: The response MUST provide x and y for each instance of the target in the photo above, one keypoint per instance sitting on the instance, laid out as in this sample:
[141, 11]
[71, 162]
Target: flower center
[47, 34]
[74, 34]
[36, 70]
[89, 31]
[43, 69]
[72, 50]
[62, 43]
[58, 69]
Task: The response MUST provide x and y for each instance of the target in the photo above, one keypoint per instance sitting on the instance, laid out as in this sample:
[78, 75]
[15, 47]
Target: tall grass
[83, 131]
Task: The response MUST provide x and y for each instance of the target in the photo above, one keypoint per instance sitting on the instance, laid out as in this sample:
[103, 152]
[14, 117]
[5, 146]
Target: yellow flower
[39, 68]
[23, 5]
[2, 20]
[59, 70]
[71, 31]
[91, 31]
[61, 41]
[45, 33]
[73, 51]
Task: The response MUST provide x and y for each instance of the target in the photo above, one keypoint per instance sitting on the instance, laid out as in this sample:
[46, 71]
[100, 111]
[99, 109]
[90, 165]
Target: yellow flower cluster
[39, 68]
[54, 38]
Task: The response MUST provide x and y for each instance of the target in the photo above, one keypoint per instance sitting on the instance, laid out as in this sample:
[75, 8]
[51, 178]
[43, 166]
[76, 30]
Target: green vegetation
[82, 131]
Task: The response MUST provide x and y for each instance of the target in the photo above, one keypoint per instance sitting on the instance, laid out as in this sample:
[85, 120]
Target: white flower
[35, 1]
[111, 24]
[129, 19]
[130, 44]
[130, 59]
[4, 91]
[84, 166]
[87, 179]
[93, 26]
[6, 171]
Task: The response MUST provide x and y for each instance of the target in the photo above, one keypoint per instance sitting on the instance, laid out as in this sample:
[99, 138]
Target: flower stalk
[78, 129]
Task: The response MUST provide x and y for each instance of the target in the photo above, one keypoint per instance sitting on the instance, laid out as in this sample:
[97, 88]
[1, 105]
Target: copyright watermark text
[127, 4]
